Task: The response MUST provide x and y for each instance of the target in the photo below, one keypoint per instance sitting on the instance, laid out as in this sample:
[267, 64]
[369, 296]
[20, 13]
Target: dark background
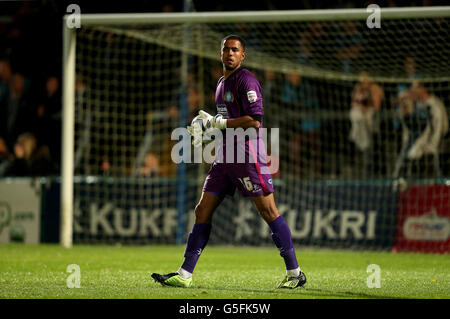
[31, 39]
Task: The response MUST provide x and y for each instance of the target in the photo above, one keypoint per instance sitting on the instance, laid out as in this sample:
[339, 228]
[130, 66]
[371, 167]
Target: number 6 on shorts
[247, 183]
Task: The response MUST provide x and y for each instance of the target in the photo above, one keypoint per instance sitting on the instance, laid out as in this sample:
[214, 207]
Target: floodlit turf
[28, 271]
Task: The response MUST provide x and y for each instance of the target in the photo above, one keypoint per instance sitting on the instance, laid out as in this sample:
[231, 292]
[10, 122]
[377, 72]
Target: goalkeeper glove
[196, 131]
[210, 121]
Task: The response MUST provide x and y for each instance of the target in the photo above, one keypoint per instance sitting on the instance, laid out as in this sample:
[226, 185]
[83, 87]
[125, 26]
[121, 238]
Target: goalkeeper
[239, 105]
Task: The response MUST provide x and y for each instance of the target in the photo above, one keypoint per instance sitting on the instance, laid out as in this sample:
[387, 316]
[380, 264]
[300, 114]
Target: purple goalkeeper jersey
[239, 95]
[236, 96]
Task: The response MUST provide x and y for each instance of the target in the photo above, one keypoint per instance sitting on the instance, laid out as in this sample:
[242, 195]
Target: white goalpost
[67, 158]
[124, 91]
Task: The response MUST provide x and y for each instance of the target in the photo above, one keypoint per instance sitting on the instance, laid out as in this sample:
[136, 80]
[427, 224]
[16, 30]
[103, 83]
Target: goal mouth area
[181, 31]
[138, 75]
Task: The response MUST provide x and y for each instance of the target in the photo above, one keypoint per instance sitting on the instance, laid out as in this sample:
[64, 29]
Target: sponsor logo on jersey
[222, 110]
[252, 97]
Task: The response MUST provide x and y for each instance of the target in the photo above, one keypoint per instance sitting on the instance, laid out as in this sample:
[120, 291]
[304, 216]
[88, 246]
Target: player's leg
[196, 242]
[217, 185]
[281, 235]
[255, 181]
[199, 235]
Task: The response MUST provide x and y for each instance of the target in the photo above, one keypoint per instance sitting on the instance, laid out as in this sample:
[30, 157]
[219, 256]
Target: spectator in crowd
[213, 76]
[83, 124]
[19, 166]
[401, 97]
[270, 86]
[5, 79]
[349, 44]
[48, 117]
[424, 123]
[168, 167]
[193, 102]
[150, 166]
[5, 157]
[253, 39]
[366, 103]
[29, 158]
[410, 73]
[300, 96]
[5, 85]
[169, 116]
[17, 109]
[307, 41]
[105, 166]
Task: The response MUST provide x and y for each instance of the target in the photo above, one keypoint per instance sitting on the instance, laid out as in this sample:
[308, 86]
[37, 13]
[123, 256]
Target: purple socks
[199, 236]
[281, 235]
[196, 242]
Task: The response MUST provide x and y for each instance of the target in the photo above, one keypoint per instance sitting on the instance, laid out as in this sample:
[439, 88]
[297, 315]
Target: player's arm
[244, 122]
[221, 123]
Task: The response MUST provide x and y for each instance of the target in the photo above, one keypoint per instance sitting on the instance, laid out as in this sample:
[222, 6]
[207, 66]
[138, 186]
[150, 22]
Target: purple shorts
[224, 178]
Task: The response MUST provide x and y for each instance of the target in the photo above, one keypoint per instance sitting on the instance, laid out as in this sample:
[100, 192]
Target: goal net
[350, 101]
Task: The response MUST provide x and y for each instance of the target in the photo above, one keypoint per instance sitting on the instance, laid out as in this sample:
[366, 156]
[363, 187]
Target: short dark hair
[235, 37]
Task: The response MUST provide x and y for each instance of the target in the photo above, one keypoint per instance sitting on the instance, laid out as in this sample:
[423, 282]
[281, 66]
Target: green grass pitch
[110, 272]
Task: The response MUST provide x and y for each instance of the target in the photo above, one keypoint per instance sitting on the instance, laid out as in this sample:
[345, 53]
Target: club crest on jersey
[252, 97]
[229, 97]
